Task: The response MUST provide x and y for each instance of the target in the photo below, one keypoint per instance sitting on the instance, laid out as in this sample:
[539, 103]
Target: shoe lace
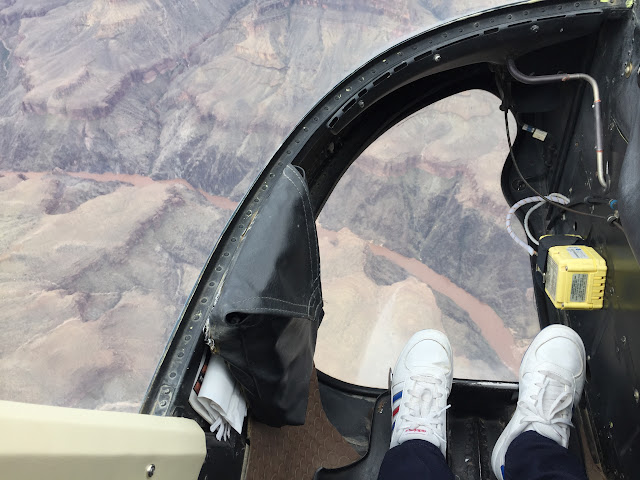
[421, 412]
[548, 411]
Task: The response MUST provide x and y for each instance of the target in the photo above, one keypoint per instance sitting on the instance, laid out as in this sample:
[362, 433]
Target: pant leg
[413, 460]
[532, 456]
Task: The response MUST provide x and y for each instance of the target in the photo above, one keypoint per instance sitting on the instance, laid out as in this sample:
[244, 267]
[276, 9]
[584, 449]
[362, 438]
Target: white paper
[217, 398]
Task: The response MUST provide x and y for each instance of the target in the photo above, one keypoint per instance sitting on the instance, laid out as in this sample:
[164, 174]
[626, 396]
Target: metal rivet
[163, 403]
[187, 338]
[348, 89]
[166, 391]
[534, 28]
[636, 395]
[225, 254]
[151, 468]
[437, 57]
[233, 240]
[610, 424]
[204, 300]
[588, 358]
[218, 268]
[628, 69]
[361, 104]
[211, 284]
[180, 354]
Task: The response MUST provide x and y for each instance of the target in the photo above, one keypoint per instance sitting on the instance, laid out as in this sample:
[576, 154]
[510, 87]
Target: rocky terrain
[418, 193]
[128, 131]
[93, 276]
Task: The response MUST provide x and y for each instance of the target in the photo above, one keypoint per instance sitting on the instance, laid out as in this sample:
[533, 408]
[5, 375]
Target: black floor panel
[478, 414]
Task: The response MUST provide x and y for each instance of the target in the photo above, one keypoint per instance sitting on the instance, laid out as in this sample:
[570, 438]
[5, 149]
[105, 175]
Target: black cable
[515, 164]
[616, 223]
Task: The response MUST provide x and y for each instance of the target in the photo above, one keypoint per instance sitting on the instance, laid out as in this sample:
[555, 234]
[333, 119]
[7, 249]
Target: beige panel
[38, 441]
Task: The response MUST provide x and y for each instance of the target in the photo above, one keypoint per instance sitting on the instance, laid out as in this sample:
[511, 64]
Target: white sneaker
[420, 385]
[551, 379]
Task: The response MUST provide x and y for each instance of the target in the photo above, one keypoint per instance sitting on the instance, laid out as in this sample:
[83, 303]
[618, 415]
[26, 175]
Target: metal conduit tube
[563, 77]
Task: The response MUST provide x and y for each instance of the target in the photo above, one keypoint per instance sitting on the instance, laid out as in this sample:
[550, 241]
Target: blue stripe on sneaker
[397, 396]
[392, 426]
[502, 470]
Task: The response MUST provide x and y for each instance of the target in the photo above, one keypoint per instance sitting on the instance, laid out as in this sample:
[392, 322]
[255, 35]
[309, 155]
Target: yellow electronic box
[574, 277]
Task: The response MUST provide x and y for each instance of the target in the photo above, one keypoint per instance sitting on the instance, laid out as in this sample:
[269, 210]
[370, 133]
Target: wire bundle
[553, 197]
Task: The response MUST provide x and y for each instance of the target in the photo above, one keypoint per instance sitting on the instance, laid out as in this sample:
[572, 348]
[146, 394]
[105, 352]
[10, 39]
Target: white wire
[554, 197]
[526, 222]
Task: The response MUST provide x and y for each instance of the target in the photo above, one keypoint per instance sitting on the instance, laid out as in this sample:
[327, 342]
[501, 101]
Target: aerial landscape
[130, 130]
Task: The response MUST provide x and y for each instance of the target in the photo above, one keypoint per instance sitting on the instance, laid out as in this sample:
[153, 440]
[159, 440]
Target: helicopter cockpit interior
[565, 78]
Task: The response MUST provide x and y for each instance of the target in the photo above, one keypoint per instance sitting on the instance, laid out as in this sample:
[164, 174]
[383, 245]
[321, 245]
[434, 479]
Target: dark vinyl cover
[268, 307]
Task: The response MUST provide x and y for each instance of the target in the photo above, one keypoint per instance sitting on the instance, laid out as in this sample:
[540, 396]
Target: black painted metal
[611, 415]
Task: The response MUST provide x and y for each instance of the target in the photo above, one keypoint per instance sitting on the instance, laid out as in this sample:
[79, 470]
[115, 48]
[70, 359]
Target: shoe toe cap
[563, 352]
[428, 353]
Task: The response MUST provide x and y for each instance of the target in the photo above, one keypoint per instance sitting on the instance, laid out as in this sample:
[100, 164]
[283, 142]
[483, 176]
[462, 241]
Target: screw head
[151, 468]
[628, 69]
[636, 395]
[437, 57]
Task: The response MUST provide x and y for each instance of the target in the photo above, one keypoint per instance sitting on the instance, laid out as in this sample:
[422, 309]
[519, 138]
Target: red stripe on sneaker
[395, 411]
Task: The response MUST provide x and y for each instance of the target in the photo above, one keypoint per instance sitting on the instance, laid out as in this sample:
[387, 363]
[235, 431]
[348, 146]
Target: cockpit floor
[297, 452]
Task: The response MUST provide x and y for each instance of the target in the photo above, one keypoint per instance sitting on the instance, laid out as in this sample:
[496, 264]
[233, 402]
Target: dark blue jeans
[529, 457]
